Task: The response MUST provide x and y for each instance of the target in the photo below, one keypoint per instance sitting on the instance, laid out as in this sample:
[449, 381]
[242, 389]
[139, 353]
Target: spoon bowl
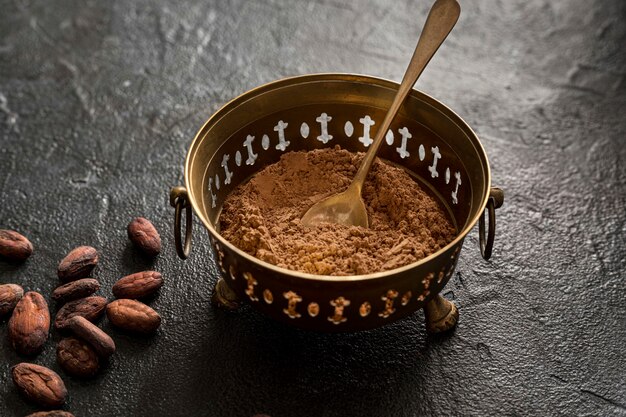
[345, 208]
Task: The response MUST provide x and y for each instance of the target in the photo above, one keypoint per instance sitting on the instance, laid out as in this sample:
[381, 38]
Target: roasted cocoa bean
[76, 289]
[14, 246]
[144, 236]
[77, 357]
[39, 384]
[92, 334]
[139, 285]
[133, 316]
[29, 324]
[53, 413]
[90, 308]
[10, 294]
[78, 263]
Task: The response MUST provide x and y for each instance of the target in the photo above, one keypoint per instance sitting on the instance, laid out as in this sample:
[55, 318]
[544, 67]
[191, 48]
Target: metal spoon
[348, 207]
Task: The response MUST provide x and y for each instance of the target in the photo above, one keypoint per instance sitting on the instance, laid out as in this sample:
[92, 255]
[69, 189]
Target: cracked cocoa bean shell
[10, 294]
[139, 285]
[39, 384]
[101, 342]
[133, 316]
[78, 263]
[29, 324]
[90, 308]
[77, 357]
[144, 236]
[76, 289]
[52, 413]
[14, 246]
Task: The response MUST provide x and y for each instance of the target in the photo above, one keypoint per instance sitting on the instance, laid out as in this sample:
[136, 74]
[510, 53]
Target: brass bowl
[323, 110]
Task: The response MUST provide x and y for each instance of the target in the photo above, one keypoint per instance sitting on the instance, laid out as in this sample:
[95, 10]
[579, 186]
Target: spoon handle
[440, 21]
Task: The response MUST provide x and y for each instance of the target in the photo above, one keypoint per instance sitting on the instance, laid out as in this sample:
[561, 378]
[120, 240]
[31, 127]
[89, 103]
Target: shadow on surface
[134, 260]
[233, 364]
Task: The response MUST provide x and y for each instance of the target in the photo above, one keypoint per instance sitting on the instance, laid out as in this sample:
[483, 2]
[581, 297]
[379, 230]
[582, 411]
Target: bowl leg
[224, 297]
[441, 315]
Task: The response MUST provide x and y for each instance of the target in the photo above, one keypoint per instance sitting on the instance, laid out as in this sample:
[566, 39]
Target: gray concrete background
[100, 100]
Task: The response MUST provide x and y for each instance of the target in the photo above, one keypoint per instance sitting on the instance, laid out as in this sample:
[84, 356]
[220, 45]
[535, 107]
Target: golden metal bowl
[323, 110]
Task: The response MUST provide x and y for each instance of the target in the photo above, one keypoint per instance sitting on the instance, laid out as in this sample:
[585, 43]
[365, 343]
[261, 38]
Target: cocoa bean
[29, 324]
[92, 334]
[39, 384]
[75, 290]
[14, 246]
[10, 294]
[78, 263]
[139, 285]
[77, 358]
[133, 316]
[90, 307]
[53, 413]
[144, 236]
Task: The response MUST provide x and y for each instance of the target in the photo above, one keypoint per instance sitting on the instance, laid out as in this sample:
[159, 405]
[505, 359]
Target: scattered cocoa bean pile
[84, 345]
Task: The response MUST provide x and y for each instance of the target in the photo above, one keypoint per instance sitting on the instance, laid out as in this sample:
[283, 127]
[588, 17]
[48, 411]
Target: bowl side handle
[496, 199]
[179, 200]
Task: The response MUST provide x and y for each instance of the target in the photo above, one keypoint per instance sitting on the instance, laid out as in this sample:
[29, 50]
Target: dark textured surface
[99, 101]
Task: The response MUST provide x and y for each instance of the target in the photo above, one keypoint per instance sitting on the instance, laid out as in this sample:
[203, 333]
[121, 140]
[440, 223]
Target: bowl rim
[331, 76]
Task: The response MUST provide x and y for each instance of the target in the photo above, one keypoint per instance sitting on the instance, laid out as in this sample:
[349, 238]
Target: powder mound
[262, 216]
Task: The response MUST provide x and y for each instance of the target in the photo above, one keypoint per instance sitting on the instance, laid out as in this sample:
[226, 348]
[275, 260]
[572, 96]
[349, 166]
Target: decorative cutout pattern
[426, 283]
[406, 298]
[251, 155]
[251, 284]
[265, 142]
[304, 130]
[365, 309]
[389, 299]
[436, 157]
[227, 174]
[220, 257]
[292, 302]
[367, 123]
[280, 128]
[313, 309]
[339, 304]
[323, 120]
[348, 128]
[389, 137]
[406, 135]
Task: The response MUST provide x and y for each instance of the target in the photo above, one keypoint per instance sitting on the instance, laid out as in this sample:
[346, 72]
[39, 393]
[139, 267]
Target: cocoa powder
[262, 216]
